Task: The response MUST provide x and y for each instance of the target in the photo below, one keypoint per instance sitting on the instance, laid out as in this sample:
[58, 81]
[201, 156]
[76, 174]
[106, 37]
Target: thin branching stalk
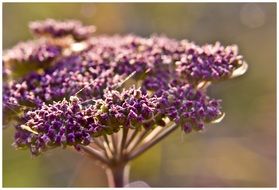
[108, 144]
[151, 143]
[137, 140]
[124, 138]
[113, 139]
[134, 142]
[95, 154]
[99, 144]
[108, 152]
[133, 134]
[153, 134]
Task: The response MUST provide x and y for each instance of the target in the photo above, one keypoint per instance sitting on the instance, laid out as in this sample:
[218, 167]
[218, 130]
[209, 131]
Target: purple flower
[58, 29]
[58, 124]
[38, 51]
[209, 62]
[107, 61]
[187, 128]
[68, 77]
[189, 107]
[130, 108]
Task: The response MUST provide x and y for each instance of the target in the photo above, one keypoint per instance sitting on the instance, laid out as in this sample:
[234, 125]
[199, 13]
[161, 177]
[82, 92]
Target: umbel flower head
[89, 89]
[74, 123]
[60, 124]
[58, 29]
[38, 51]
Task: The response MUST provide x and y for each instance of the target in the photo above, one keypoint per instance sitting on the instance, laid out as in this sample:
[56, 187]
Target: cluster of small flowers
[209, 62]
[131, 108]
[67, 77]
[121, 56]
[168, 70]
[132, 53]
[75, 123]
[189, 107]
[38, 51]
[103, 63]
[59, 124]
[58, 29]
[170, 59]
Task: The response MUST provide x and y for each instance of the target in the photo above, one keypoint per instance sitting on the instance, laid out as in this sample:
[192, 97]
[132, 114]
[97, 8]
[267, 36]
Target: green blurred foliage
[240, 151]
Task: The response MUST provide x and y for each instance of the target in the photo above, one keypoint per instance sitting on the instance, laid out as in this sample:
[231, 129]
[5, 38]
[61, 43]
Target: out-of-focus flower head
[32, 51]
[58, 29]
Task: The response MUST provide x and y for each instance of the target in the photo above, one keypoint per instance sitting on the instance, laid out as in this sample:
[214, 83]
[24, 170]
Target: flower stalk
[118, 174]
[117, 163]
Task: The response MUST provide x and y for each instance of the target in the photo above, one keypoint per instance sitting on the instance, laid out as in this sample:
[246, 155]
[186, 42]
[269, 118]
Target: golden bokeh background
[238, 152]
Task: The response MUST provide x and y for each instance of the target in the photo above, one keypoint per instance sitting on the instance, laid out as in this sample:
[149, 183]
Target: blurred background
[238, 152]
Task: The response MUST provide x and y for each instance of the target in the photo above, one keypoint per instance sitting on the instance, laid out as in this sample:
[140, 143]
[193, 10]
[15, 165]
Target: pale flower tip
[219, 119]
[27, 128]
[203, 84]
[74, 99]
[240, 70]
[77, 47]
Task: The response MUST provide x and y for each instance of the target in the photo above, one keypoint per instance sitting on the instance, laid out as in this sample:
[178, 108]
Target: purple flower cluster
[104, 63]
[111, 59]
[188, 107]
[67, 77]
[132, 53]
[208, 63]
[168, 71]
[58, 29]
[74, 123]
[60, 124]
[38, 51]
[131, 108]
